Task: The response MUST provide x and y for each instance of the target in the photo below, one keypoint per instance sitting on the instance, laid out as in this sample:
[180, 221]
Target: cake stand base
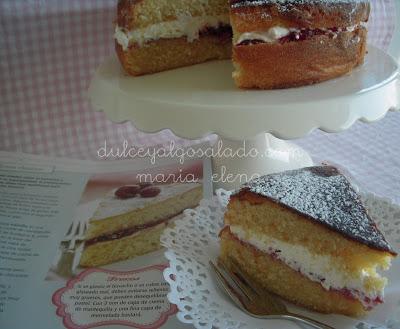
[236, 162]
[197, 100]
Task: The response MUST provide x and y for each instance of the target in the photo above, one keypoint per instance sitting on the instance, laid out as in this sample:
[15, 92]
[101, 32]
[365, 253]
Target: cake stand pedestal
[202, 99]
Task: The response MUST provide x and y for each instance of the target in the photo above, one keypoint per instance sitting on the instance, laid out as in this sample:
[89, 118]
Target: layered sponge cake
[288, 43]
[276, 43]
[306, 236]
[157, 35]
[129, 220]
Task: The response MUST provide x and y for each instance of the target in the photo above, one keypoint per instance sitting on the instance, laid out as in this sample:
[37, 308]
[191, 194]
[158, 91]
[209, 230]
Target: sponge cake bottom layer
[166, 54]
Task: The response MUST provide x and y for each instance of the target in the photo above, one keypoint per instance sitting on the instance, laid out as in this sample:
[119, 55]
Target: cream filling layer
[273, 34]
[185, 25]
[317, 268]
[277, 32]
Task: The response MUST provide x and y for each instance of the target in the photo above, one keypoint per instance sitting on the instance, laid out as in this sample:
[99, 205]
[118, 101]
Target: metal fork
[252, 301]
[76, 232]
[69, 244]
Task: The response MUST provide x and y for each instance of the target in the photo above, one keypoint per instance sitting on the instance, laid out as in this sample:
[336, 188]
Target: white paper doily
[194, 241]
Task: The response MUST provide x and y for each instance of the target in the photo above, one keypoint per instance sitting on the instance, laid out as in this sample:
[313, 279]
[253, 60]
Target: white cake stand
[202, 99]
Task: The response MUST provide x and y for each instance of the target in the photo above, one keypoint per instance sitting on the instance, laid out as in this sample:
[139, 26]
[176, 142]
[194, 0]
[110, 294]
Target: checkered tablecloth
[49, 50]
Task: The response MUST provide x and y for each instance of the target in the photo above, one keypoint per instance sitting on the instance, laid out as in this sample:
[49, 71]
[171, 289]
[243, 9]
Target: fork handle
[303, 319]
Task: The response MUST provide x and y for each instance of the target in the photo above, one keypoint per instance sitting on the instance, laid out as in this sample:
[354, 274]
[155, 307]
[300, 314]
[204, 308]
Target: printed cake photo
[275, 43]
[306, 236]
[129, 220]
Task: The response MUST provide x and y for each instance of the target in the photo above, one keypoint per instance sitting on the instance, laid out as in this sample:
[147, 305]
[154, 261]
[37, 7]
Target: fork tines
[239, 280]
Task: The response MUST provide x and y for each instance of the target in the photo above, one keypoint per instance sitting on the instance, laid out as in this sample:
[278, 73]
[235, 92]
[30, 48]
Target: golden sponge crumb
[278, 278]
[166, 54]
[139, 14]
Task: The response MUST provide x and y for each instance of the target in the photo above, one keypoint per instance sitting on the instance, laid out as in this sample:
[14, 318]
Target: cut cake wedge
[306, 236]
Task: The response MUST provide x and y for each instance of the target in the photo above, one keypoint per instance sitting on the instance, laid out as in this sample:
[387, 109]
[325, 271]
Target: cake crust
[259, 15]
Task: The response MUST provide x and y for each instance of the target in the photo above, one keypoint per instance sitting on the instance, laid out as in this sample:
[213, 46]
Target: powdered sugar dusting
[254, 3]
[325, 195]
[345, 12]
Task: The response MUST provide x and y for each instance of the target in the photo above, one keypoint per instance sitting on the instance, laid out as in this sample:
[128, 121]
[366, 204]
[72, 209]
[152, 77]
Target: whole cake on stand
[196, 100]
[276, 44]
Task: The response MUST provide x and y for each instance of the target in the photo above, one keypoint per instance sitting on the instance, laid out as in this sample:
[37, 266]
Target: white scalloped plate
[201, 99]
[194, 241]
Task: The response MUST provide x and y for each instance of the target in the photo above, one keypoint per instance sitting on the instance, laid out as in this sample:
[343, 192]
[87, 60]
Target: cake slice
[157, 35]
[129, 220]
[306, 236]
[288, 43]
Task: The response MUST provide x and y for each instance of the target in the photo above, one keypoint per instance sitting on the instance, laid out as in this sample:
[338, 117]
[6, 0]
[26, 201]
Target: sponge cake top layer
[323, 195]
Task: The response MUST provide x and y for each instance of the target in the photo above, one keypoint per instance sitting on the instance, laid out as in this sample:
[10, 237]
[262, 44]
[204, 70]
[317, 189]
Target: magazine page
[79, 240]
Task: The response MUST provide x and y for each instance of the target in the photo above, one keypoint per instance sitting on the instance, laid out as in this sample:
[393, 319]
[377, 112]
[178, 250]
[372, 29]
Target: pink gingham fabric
[49, 49]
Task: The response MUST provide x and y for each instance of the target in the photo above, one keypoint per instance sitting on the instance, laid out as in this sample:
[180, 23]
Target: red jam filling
[127, 232]
[367, 302]
[220, 31]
